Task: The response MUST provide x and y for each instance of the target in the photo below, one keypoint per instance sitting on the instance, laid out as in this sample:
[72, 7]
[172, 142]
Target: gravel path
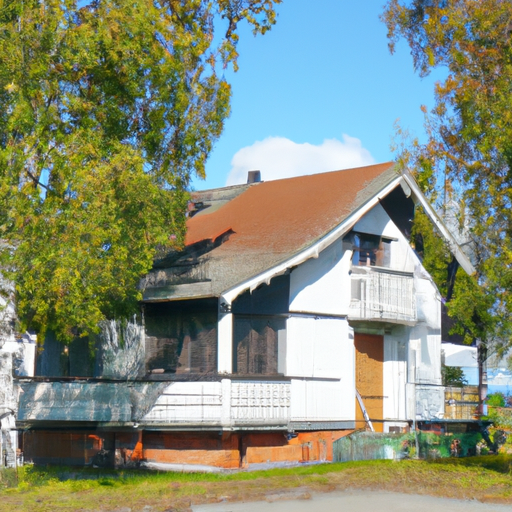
[371, 501]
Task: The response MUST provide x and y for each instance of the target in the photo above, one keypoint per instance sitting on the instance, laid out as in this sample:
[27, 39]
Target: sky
[319, 92]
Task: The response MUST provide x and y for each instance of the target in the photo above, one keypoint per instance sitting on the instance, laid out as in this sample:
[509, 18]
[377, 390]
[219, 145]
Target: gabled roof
[241, 232]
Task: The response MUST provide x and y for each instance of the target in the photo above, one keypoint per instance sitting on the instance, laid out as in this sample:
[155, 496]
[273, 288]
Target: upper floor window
[370, 250]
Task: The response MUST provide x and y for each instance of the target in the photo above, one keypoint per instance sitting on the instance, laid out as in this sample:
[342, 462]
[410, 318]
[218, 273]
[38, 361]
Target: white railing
[379, 294]
[260, 402]
[229, 403]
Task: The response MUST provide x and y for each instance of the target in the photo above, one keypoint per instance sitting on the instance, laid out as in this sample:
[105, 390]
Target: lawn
[487, 479]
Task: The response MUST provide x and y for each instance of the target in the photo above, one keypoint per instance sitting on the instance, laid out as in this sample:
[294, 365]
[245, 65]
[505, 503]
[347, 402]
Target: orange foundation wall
[63, 448]
[306, 447]
[228, 450]
[206, 448]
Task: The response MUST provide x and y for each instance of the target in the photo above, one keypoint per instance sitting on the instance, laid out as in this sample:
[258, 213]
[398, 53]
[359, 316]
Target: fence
[373, 446]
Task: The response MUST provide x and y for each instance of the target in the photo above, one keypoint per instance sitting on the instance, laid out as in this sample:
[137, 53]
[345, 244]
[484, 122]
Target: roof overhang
[408, 183]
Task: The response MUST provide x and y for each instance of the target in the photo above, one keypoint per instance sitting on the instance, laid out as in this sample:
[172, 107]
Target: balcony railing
[234, 403]
[382, 294]
[222, 403]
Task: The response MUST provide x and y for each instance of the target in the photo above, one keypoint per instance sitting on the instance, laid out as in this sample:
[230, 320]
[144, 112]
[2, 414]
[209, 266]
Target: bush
[496, 400]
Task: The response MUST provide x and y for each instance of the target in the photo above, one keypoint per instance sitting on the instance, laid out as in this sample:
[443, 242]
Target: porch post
[225, 338]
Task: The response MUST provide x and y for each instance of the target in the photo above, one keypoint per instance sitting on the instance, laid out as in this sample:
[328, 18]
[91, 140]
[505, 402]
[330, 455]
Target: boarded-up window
[255, 345]
[181, 337]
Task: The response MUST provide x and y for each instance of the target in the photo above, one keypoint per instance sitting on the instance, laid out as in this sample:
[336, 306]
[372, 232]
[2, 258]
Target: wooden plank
[370, 378]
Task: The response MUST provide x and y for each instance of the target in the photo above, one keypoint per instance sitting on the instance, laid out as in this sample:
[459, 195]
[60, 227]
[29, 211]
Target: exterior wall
[8, 408]
[412, 362]
[306, 447]
[205, 449]
[77, 448]
[319, 341]
[395, 377]
[173, 450]
[325, 401]
[320, 361]
[378, 222]
[157, 405]
[322, 285]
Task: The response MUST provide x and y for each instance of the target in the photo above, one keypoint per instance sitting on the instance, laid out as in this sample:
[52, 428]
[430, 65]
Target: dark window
[256, 345]
[181, 337]
[370, 250]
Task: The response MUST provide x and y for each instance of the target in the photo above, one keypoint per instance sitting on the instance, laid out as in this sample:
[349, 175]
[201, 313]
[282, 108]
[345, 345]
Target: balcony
[380, 294]
[222, 403]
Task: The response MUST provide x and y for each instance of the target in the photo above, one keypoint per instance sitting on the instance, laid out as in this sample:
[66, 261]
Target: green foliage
[469, 304]
[467, 158]
[486, 478]
[453, 376]
[107, 108]
[495, 400]
[8, 478]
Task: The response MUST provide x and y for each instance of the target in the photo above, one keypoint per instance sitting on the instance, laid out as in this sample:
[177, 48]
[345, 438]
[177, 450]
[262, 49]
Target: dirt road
[372, 501]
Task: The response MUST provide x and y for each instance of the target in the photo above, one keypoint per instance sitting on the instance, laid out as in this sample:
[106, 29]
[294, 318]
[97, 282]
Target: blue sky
[319, 92]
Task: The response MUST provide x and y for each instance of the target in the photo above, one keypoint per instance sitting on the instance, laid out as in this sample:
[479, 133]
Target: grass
[487, 479]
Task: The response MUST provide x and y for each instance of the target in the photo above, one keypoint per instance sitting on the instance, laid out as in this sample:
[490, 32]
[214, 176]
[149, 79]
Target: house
[17, 354]
[297, 313]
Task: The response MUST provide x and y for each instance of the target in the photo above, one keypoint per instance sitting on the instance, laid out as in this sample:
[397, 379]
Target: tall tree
[468, 154]
[107, 108]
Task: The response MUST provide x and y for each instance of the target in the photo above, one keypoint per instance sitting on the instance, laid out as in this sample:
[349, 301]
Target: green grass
[63, 489]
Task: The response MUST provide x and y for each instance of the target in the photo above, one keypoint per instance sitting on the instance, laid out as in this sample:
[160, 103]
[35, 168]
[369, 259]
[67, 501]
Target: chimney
[253, 177]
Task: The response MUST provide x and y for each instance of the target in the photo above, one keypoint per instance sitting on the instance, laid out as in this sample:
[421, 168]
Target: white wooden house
[296, 305]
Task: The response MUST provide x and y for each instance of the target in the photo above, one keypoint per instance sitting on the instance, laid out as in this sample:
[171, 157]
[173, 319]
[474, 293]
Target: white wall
[428, 354]
[228, 403]
[322, 285]
[377, 222]
[319, 349]
[322, 400]
[395, 373]
[428, 299]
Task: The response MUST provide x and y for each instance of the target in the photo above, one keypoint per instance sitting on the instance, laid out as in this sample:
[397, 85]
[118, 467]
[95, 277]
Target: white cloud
[278, 157]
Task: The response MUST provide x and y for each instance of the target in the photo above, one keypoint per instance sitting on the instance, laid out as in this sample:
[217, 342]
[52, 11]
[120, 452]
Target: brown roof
[254, 227]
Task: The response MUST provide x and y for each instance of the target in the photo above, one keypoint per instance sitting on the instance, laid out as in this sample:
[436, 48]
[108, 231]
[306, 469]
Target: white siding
[322, 285]
[318, 347]
[395, 374]
[316, 400]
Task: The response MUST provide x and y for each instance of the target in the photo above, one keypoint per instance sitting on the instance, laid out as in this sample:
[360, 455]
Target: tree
[107, 108]
[468, 154]
[453, 376]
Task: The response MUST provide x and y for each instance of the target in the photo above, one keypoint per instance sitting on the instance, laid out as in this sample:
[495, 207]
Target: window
[181, 337]
[370, 250]
[256, 342]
